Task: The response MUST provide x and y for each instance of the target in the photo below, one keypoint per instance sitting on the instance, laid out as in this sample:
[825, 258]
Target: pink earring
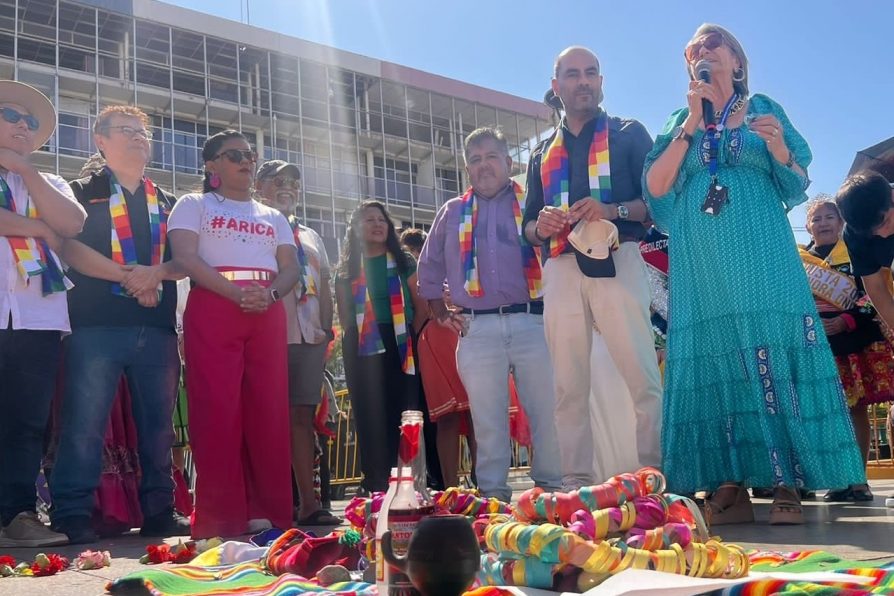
[214, 181]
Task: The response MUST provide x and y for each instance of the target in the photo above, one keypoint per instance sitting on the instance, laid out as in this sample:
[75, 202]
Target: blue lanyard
[714, 132]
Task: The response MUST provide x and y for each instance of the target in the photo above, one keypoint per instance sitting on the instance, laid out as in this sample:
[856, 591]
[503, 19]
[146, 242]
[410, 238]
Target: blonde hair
[741, 86]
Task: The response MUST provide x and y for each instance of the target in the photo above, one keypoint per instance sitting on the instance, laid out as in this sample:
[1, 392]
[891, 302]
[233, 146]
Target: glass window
[188, 52]
[74, 136]
[152, 43]
[37, 19]
[313, 81]
[8, 17]
[113, 29]
[77, 26]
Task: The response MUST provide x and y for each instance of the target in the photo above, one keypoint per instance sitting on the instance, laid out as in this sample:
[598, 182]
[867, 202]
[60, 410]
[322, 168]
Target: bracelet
[538, 236]
[791, 159]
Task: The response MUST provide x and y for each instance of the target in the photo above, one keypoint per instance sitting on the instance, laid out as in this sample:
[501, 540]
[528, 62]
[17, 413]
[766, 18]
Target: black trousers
[379, 392]
[29, 361]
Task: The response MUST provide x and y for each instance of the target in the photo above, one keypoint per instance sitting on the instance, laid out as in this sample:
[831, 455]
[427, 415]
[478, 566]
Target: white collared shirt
[24, 301]
[303, 320]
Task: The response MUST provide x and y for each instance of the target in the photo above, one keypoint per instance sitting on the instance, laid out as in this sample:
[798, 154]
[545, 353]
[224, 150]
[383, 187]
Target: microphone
[703, 73]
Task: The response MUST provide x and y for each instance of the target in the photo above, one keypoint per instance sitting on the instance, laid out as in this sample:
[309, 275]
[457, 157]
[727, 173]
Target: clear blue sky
[828, 63]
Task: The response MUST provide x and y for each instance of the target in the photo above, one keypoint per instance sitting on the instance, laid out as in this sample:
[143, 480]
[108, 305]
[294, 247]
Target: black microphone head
[703, 71]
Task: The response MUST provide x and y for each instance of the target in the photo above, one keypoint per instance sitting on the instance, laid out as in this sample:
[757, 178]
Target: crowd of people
[769, 364]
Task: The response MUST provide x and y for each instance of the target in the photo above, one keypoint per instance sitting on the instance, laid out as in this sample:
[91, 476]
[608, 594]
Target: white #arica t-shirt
[232, 233]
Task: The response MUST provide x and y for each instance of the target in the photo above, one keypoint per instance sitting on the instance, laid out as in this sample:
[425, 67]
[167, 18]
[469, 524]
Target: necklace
[738, 105]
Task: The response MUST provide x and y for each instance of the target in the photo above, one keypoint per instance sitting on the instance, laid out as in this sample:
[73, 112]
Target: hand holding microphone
[701, 96]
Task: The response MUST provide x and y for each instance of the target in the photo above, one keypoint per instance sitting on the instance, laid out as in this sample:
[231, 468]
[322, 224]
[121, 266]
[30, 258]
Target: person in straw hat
[36, 211]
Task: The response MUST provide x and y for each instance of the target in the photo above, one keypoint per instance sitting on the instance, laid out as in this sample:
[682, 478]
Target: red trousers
[237, 387]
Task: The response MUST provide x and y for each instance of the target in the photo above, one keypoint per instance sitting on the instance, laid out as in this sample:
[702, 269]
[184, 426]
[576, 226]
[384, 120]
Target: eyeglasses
[710, 41]
[13, 117]
[238, 155]
[131, 132]
[292, 183]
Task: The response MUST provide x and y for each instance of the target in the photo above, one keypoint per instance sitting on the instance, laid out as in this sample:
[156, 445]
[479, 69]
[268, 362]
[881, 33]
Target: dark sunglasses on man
[238, 155]
[710, 41]
[283, 182]
[13, 117]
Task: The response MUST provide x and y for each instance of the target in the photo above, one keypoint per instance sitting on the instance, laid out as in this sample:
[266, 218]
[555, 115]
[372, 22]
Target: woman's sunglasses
[238, 155]
[13, 117]
[711, 41]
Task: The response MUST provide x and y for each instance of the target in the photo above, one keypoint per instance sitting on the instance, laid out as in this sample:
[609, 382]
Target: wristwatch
[623, 212]
[680, 133]
[274, 294]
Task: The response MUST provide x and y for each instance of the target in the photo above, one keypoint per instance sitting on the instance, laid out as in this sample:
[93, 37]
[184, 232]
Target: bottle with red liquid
[411, 501]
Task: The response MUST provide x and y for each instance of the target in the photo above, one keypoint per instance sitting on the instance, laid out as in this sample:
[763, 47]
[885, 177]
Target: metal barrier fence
[344, 459]
[881, 454]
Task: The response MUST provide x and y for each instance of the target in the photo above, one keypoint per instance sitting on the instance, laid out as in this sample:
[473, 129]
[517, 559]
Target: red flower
[159, 554]
[48, 565]
[7, 560]
[184, 555]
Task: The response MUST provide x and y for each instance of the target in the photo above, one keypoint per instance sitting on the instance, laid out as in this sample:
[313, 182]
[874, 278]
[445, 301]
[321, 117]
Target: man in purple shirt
[475, 245]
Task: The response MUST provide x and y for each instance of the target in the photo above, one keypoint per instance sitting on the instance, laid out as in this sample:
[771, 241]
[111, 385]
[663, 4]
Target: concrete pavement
[863, 531]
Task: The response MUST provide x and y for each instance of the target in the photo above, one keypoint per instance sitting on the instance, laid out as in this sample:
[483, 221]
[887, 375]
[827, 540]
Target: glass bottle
[411, 501]
[382, 568]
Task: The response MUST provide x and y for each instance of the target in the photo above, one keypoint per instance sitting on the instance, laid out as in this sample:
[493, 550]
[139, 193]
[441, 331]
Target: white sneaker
[889, 502]
[25, 530]
[256, 526]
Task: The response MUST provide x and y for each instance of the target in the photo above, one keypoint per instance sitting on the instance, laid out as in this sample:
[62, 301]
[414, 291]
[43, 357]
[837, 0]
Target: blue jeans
[95, 359]
[29, 361]
[493, 346]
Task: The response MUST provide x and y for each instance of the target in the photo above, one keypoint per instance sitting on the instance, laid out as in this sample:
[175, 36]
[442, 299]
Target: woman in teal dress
[752, 396]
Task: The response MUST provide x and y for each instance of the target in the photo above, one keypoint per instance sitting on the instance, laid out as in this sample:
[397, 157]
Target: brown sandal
[739, 511]
[786, 509]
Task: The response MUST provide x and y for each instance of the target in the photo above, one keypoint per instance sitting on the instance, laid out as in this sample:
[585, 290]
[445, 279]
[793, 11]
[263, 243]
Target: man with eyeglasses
[123, 323]
[309, 327]
[36, 209]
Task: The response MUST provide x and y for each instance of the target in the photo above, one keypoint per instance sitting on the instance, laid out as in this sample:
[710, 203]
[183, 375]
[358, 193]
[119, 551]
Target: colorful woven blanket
[237, 568]
[243, 579]
[881, 576]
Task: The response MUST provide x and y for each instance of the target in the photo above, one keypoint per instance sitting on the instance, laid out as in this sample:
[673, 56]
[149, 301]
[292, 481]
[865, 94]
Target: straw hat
[36, 103]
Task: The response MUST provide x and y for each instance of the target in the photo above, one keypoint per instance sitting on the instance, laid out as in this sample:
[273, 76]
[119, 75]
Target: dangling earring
[741, 77]
[214, 181]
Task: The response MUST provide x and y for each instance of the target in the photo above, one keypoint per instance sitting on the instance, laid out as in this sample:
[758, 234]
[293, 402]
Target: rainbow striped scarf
[370, 339]
[308, 285]
[33, 255]
[554, 175]
[468, 250]
[124, 249]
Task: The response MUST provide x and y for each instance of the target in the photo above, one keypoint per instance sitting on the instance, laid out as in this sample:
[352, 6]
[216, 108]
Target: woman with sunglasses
[752, 395]
[376, 308]
[240, 256]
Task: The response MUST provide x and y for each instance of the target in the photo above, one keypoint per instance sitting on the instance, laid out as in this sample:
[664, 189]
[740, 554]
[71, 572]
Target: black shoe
[841, 495]
[759, 492]
[78, 529]
[861, 493]
[165, 525]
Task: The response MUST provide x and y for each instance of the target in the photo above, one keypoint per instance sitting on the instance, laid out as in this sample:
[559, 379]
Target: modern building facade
[358, 127]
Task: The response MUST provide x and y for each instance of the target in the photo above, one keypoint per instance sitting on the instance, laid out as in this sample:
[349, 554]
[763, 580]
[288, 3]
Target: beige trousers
[618, 309]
